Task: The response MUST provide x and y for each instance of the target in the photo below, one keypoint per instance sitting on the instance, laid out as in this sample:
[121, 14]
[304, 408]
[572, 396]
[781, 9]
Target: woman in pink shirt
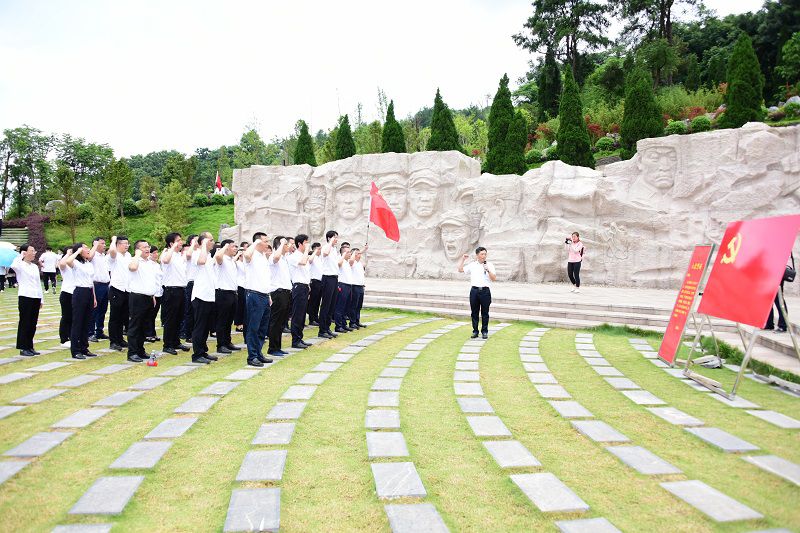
[575, 249]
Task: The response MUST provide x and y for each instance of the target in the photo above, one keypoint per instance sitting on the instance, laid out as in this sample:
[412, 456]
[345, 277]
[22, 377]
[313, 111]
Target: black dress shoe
[211, 357]
[277, 353]
[124, 344]
[27, 353]
[341, 330]
[201, 360]
[102, 336]
[224, 349]
[135, 359]
[299, 345]
[485, 335]
[361, 325]
[183, 347]
[233, 348]
[313, 323]
[286, 330]
[325, 335]
[254, 362]
[78, 356]
[116, 347]
[94, 338]
[89, 354]
[172, 351]
[354, 326]
[306, 344]
[34, 352]
[265, 360]
[474, 335]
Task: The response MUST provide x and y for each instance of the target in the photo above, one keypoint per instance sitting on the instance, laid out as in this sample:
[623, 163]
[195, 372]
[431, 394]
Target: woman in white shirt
[30, 299]
[83, 302]
[65, 299]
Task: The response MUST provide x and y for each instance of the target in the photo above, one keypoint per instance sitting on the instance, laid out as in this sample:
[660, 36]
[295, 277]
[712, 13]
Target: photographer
[575, 250]
[789, 276]
[481, 274]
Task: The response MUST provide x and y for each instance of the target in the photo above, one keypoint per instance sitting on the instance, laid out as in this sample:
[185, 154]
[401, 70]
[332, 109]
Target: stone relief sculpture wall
[639, 219]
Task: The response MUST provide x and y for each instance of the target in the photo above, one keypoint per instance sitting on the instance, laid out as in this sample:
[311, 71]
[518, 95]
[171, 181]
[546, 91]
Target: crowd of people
[202, 289]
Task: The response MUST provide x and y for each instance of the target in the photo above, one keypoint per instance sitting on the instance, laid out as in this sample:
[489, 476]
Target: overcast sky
[149, 75]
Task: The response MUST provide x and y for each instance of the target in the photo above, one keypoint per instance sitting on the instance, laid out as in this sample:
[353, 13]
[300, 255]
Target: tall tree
[745, 86]
[27, 171]
[692, 80]
[565, 26]
[250, 151]
[789, 67]
[642, 116]
[500, 116]
[549, 87]
[103, 206]
[87, 160]
[69, 192]
[173, 214]
[517, 140]
[574, 146]
[345, 145]
[118, 177]
[653, 18]
[443, 131]
[393, 139]
[304, 151]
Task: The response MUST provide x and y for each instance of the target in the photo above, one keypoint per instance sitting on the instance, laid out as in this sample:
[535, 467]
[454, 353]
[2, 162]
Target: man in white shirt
[481, 274]
[282, 292]
[30, 298]
[331, 261]
[203, 297]
[173, 302]
[187, 326]
[48, 262]
[97, 256]
[239, 320]
[300, 271]
[225, 297]
[259, 284]
[315, 293]
[345, 282]
[118, 261]
[143, 288]
[151, 335]
[357, 288]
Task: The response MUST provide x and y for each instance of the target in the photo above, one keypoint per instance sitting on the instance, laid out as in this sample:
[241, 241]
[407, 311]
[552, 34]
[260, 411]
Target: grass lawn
[327, 483]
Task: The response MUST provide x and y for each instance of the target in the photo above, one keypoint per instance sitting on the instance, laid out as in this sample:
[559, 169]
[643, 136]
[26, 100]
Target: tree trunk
[5, 184]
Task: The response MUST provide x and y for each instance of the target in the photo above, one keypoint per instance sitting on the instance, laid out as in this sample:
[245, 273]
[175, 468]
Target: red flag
[218, 185]
[381, 214]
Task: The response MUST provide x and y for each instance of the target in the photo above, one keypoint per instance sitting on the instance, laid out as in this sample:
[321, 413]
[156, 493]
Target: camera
[567, 240]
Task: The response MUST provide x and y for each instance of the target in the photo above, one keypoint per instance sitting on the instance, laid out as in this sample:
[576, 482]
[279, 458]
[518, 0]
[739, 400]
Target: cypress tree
[745, 84]
[443, 130]
[574, 147]
[345, 145]
[642, 117]
[500, 116]
[393, 139]
[304, 150]
[549, 83]
[516, 140]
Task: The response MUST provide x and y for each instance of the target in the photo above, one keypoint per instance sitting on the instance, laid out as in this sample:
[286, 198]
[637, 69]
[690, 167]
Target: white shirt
[257, 274]
[330, 263]
[226, 273]
[67, 282]
[346, 273]
[49, 260]
[191, 268]
[82, 274]
[241, 277]
[281, 278]
[27, 278]
[316, 267]
[357, 273]
[477, 275]
[204, 285]
[143, 281]
[156, 267]
[119, 271]
[100, 264]
[299, 273]
[174, 271]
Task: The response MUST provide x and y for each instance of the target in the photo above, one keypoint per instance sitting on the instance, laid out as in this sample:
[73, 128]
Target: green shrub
[791, 109]
[130, 209]
[218, 199]
[200, 200]
[701, 123]
[604, 144]
[143, 205]
[84, 212]
[605, 115]
[533, 156]
[675, 127]
[551, 154]
[229, 199]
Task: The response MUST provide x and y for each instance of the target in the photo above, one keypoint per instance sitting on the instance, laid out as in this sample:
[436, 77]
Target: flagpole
[369, 216]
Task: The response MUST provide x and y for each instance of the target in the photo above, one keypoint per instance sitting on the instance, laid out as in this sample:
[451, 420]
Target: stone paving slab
[587, 525]
[589, 353]
[262, 465]
[382, 419]
[299, 392]
[722, 439]
[47, 367]
[254, 510]
[571, 409]
[326, 367]
[650, 355]
[475, 405]
[607, 371]
[383, 399]
[179, 370]
[659, 363]
[468, 357]
[531, 358]
[466, 365]
[108, 495]
[6, 360]
[171, 428]
[242, 375]
[339, 358]
[488, 426]
[397, 480]
[274, 433]
[622, 383]
[118, 398]
[675, 416]
[112, 369]
[150, 383]
[83, 528]
[552, 391]
[414, 346]
[642, 397]
[286, 411]
[77, 381]
[8, 410]
[405, 354]
[220, 388]
[14, 376]
[597, 361]
[415, 518]
[313, 378]
[9, 469]
[393, 372]
[142, 454]
[529, 351]
[467, 389]
[542, 378]
[599, 431]
[778, 419]
[351, 349]
[738, 402]
[643, 461]
[387, 384]
[81, 419]
[197, 404]
[695, 385]
[776, 465]
[463, 375]
[471, 349]
[535, 367]
[401, 363]
[386, 444]
[548, 493]
[39, 396]
[710, 501]
[510, 454]
[675, 372]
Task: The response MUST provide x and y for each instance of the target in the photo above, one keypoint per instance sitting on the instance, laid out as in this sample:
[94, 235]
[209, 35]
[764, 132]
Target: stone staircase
[15, 236]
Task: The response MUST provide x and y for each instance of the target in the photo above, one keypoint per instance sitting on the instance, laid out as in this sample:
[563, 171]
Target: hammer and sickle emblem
[733, 250]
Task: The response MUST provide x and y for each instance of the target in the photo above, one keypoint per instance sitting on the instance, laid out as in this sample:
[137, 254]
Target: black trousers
[330, 286]
[574, 273]
[241, 306]
[119, 316]
[188, 312]
[479, 301]
[299, 304]
[172, 305]
[314, 299]
[65, 324]
[140, 307]
[28, 318]
[49, 279]
[225, 309]
[356, 303]
[781, 316]
[279, 310]
[82, 305]
[2, 282]
[203, 312]
[150, 327]
[342, 313]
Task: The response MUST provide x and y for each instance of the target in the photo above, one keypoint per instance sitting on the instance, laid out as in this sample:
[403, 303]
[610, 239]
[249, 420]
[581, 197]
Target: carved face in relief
[455, 240]
[316, 211]
[397, 198]
[349, 202]
[658, 166]
[424, 197]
